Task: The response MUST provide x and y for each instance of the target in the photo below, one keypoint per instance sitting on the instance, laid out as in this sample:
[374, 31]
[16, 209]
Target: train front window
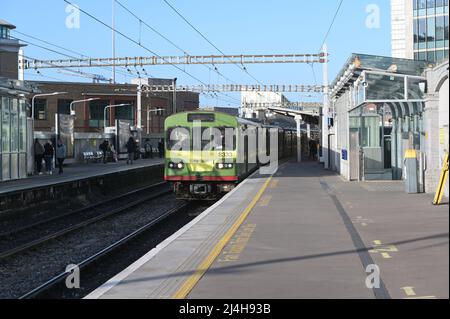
[218, 139]
[178, 139]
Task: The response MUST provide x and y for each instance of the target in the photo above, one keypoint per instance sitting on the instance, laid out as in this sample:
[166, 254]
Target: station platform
[302, 233]
[72, 173]
[79, 184]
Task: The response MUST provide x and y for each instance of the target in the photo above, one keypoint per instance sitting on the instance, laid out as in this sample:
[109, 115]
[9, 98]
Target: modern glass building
[430, 25]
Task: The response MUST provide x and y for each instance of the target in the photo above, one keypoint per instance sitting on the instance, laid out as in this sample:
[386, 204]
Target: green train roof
[181, 119]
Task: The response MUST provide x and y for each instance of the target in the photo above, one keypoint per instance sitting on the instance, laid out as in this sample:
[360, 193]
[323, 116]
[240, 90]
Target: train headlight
[173, 165]
[224, 165]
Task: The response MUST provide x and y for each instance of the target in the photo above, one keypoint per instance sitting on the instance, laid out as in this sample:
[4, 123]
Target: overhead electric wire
[210, 42]
[94, 76]
[62, 48]
[141, 21]
[135, 42]
[331, 25]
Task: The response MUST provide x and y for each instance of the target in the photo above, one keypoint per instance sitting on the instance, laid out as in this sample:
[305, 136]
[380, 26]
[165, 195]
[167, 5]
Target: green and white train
[213, 166]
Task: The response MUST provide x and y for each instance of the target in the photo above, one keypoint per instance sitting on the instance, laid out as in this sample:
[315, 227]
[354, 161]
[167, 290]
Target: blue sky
[234, 26]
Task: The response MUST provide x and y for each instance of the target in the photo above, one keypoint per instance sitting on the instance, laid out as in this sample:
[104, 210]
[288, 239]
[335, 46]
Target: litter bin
[411, 172]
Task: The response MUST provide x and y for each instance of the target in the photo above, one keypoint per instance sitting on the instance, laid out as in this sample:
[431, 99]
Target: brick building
[90, 115]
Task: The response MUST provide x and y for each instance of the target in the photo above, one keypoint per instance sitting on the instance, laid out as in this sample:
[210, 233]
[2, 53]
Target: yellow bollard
[442, 181]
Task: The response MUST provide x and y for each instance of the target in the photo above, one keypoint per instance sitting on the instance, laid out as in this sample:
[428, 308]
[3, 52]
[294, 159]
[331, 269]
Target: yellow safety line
[192, 281]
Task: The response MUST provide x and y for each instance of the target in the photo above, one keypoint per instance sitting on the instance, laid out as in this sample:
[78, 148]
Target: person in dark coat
[148, 149]
[131, 150]
[49, 153]
[104, 148]
[38, 156]
[161, 148]
[312, 149]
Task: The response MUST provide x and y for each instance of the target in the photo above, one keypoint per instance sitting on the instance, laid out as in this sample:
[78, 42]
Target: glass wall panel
[431, 57]
[370, 132]
[446, 30]
[440, 31]
[22, 165]
[383, 87]
[5, 125]
[416, 34]
[431, 27]
[5, 167]
[14, 165]
[14, 125]
[422, 33]
[22, 126]
[414, 91]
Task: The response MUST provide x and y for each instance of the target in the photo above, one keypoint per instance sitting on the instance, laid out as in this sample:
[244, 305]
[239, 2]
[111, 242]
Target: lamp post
[109, 107]
[72, 110]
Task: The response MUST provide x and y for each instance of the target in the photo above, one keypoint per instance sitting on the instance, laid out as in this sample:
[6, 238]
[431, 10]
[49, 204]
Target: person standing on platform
[49, 152]
[104, 148]
[312, 149]
[131, 150]
[60, 155]
[161, 148]
[148, 149]
[38, 156]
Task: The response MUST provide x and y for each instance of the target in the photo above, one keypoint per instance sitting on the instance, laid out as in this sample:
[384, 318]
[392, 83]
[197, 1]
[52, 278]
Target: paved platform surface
[73, 173]
[303, 233]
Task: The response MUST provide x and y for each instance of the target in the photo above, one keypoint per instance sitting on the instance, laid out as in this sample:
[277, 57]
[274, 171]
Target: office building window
[64, 106]
[40, 109]
[96, 113]
[125, 112]
[430, 33]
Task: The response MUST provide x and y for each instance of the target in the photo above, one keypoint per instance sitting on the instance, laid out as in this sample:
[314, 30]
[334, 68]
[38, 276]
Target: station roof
[4, 23]
[15, 87]
[357, 63]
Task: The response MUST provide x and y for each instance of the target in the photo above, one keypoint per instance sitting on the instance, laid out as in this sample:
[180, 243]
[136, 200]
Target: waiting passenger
[131, 150]
[312, 150]
[161, 148]
[60, 155]
[104, 148]
[148, 149]
[38, 156]
[49, 152]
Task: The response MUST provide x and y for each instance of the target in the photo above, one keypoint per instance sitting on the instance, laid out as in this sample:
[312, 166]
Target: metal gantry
[313, 106]
[286, 88]
[177, 60]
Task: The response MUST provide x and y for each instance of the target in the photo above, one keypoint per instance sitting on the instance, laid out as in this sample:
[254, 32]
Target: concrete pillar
[431, 147]
[298, 120]
[325, 112]
[139, 107]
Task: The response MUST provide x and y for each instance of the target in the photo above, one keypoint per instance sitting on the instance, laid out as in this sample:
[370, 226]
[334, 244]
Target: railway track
[90, 261]
[88, 215]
